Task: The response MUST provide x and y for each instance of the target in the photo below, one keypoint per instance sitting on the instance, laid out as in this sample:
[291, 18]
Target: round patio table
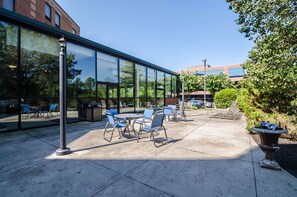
[269, 144]
[129, 117]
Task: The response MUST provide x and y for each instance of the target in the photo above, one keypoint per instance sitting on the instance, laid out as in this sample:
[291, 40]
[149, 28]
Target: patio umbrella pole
[63, 150]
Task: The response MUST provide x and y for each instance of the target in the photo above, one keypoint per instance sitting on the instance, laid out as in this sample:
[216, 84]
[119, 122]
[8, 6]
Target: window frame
[50, 10]
[74, 31]
[57, 25]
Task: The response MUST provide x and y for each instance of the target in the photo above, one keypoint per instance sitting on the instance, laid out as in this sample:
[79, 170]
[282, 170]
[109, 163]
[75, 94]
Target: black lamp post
[204, 61]
[63, 150]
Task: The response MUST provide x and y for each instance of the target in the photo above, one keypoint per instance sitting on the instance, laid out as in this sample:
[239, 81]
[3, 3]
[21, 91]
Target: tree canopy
[272, 63]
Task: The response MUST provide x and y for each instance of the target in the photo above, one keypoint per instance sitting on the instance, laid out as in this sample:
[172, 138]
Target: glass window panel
[9, 105]
[48, 11]
[8, 59]
[107, 68]
[126, 78]
[8, 4]
[151, 80]
[174, 89]
[57, 19]
[80, 71]
[140, 81]
[160, 79]
[167, 85]
[235, 72]
[127, 85]
[39, 64]
[210, 72]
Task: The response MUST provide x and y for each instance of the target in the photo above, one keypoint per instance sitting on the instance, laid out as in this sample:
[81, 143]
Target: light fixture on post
[204, 61]
[63, 150]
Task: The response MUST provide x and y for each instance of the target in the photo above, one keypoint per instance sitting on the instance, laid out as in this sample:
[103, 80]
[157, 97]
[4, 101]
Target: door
[108, 96]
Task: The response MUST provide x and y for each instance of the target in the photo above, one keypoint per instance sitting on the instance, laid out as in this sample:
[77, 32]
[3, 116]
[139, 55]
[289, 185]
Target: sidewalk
[205, 157]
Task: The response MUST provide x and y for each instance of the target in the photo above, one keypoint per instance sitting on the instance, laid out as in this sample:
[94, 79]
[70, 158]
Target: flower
[268, 125]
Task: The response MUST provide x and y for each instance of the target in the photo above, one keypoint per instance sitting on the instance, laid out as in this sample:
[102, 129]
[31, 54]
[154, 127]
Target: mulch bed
[287, 154]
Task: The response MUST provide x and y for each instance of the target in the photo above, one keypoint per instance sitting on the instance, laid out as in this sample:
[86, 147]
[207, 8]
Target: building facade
[235, 72]
[29, 76]
[46, 11]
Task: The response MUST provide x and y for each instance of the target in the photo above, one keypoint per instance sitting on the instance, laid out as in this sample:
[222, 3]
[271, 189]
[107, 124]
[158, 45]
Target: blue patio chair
[50, 110]
[112, 111]
[156, 125]
[114, 125]
[148, 114]
[27, 110]
[169, 113]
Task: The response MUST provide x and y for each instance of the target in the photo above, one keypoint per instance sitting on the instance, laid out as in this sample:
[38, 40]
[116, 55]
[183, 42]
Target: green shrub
[224, 98]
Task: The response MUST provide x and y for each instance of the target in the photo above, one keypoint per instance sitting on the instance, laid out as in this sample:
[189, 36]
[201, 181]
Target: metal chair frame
[114, 125]
[156, 125]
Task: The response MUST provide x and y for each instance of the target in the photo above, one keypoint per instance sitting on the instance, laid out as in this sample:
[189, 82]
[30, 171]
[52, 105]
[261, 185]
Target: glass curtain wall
[168, 89]
[107, 68]
[108, 79]
[160, 88]
[81, 83]
[140, 87]
[151, 88]
[126, 86]
[8, 76]
[39, 78]
[174, 88]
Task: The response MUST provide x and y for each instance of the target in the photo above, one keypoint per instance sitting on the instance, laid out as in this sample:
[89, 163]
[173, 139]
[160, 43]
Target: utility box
[94, 112]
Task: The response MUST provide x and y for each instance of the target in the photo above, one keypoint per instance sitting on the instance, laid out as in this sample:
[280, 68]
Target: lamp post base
[61, 152]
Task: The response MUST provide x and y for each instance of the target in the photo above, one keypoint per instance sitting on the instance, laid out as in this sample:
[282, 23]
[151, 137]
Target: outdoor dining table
[129, 117]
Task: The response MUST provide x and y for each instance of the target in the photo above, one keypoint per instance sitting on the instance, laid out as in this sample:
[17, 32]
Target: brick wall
[36, 9]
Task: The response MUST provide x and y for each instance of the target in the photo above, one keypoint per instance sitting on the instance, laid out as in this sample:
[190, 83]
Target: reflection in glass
[167, 85]
[8, 73]
[80, 75]
[151, 80]
[174, 90]
[235, 72]
[126, 85]
[107, 68]
[39, 64]
[39, 71]
[160, 80]
[140, 87]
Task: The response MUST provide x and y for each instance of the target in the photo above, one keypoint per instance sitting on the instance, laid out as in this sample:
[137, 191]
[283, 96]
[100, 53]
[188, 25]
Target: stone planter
[269, 144]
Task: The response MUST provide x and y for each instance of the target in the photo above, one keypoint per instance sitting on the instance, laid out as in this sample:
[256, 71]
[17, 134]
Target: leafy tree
[216, 83]
[272, 64]
[192, 82]
[89, 86]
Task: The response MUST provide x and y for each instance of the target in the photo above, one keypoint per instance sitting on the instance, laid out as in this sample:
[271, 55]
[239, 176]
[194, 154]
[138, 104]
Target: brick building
[235, 72]
[46, 11]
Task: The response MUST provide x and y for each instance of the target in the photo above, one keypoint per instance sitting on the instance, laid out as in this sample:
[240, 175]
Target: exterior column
[63, 150]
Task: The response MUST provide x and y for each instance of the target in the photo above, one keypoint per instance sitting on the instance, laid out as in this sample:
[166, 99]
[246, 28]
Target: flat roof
[26, 22]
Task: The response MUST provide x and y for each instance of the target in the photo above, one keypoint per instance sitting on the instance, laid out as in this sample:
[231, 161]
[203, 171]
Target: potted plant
[269, 134]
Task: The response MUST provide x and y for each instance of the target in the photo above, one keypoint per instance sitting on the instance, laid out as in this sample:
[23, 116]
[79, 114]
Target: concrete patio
[205, 157]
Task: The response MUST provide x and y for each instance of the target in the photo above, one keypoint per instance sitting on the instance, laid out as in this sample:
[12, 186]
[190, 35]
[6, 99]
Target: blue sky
[170, 33]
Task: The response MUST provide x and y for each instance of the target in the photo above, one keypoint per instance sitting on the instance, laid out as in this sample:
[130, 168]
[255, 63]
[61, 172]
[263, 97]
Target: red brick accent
[36, 9]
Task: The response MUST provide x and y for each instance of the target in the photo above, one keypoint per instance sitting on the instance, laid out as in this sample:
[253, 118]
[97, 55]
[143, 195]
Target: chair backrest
[110, 118]
[25, 107]
[167, 110]
[157, 120]
[53, 107]
[103, 103]
[148, 113]
[172, 107]
[112, 111]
